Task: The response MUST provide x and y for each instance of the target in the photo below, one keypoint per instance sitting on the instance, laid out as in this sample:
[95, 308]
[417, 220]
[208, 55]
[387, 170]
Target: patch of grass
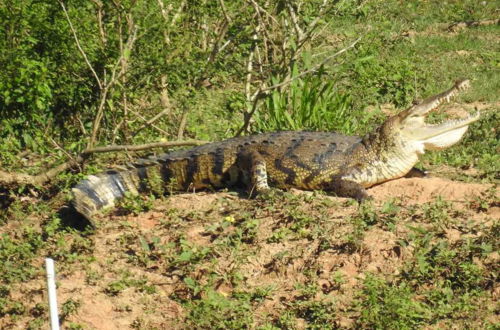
[8, 306]
[366, 217]
[311, 103]
[114, 288]
[135, 204]
[16, 255]
[390, 213]
[215, 310]
[188, 254]
[68, 308]
[389, 306]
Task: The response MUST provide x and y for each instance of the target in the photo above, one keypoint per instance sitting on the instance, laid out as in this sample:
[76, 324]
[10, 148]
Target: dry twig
[17, 179]
[78, 45]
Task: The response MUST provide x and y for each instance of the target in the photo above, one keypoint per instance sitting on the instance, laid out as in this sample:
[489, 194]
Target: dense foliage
[77, 74]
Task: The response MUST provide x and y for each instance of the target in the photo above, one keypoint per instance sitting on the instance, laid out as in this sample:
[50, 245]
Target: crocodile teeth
[464, 84]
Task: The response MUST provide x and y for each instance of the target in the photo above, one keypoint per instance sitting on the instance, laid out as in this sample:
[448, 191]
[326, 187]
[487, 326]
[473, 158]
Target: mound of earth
[424, 190]
[141, 268]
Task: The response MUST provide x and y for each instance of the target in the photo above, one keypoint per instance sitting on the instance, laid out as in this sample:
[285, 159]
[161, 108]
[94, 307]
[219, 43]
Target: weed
[214, 310]
[365, 217]
[485, 201]
[437, 211]
[16, 256]
[12, 307]
[317, 314]
[135, 204]
[389, 306]
[310, 103]
[390, 214]
[114, 288]
[187, 255]
[68, 308]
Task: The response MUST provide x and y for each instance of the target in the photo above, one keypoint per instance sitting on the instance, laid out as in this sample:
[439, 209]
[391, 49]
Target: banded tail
[103, 190]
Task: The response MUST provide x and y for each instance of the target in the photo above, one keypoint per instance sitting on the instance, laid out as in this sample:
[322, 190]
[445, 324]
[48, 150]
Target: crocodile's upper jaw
[413, 128]
[395, 146]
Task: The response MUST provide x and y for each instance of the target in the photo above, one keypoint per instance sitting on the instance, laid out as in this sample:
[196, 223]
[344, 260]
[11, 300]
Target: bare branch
[182, 125]
[9, 179]
[16, 179]
[248, 115]
[79, 46]
[258, 8]
[166, 144]
[100, 23]
[222, 33]
[138, 115]
[152, 120]
[224, 11]
[250, 63]
[313, 69]
[108, 85]
[165, 103]
[178, 13]
[296, 26]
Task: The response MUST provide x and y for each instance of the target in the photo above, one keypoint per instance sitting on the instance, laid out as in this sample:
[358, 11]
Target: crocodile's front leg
[254, 170]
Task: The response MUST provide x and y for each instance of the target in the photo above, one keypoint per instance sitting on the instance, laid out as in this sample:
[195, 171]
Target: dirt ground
[125, 254]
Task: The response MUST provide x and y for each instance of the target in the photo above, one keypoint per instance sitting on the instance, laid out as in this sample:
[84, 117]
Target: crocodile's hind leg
[254, 170]
[416, 173]
[346, 188]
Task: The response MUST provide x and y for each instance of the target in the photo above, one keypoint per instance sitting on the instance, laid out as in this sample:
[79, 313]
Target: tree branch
[314, 68]
[16, 179]
[139, 147]
[79, 46]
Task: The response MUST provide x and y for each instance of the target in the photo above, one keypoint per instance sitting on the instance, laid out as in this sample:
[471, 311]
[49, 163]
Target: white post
[51, 285]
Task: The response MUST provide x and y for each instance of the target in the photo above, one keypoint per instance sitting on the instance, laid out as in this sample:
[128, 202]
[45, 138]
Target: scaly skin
[345, 165]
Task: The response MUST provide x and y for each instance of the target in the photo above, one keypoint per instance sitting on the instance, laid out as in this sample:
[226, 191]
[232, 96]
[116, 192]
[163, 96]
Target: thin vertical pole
[51, 285]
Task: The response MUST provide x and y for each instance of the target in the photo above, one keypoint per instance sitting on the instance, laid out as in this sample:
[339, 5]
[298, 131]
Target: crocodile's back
[282, 159]
[292, 158]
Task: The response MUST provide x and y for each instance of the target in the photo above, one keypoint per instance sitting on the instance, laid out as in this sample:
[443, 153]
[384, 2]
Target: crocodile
[329, 161]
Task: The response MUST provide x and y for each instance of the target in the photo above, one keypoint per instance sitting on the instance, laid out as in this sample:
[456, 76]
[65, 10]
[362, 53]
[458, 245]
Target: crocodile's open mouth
[435, 136]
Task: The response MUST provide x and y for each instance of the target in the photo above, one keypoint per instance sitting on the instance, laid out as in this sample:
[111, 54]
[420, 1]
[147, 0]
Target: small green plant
[214, 310]
[385, 305]
[75, 326]
[440, 213]
[366, 216]
[317, 314]
[16, 255]
[69, 307]
[136, 204]
[188, 254]
[114, 288]
[7, 305]
[390, 214]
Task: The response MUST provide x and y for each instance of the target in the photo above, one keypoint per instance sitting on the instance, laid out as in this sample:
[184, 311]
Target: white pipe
[51, 285]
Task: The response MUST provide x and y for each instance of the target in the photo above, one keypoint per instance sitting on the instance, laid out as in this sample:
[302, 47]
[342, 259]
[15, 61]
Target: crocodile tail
[103, 190]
